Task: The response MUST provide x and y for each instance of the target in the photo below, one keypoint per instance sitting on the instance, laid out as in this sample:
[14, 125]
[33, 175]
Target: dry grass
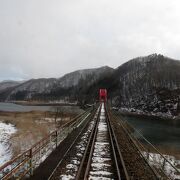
[31, 127]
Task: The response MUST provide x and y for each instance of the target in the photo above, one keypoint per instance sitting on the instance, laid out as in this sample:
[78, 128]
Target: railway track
[94, 145]
[136, 164]
[100, 156]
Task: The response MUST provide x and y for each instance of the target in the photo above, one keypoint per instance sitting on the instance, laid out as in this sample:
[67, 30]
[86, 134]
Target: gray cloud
[43, 38]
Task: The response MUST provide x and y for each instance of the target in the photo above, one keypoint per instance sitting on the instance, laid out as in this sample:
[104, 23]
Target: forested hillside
[145, 84]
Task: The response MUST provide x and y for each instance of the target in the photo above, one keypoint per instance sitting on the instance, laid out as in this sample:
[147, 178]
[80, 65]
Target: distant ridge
[50, 87]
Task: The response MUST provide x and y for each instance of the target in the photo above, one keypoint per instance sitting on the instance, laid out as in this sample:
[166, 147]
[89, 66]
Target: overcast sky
[48, 38]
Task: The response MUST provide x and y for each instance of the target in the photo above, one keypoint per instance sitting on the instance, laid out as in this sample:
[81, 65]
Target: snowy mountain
[51, 87]
[72, 79]
[27, 89]
[7, 84]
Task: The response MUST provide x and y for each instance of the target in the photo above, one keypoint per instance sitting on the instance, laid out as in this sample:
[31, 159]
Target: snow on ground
[158, 161]
[6, 130]
[141, 112]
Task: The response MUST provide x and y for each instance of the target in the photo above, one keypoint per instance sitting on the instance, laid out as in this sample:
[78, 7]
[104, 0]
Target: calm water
[161, 132]
[21, 108]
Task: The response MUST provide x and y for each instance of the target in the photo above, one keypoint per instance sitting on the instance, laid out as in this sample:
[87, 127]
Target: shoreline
[144, 115]
[36, 103]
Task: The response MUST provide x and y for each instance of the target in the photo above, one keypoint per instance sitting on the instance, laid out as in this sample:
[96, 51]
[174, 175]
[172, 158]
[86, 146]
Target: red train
[102, 95]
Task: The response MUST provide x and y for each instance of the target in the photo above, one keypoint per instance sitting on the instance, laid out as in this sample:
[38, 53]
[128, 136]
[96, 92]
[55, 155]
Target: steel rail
[143, 147]
[85, 165]
[91, 150]
[153, 170]
[118, 158]
[77, 137]
[81, 171]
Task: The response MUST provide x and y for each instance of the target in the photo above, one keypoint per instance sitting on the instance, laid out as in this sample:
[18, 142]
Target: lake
[160, 132]
[10, 107]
